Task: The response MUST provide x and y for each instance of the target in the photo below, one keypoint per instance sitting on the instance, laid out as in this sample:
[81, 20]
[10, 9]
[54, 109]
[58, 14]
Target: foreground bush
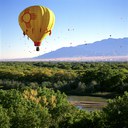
[116, 112]
[43, 108]
[4, 118]
[31, 108]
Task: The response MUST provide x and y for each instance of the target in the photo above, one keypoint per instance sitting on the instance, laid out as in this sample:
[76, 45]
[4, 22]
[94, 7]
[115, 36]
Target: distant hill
[106, 47]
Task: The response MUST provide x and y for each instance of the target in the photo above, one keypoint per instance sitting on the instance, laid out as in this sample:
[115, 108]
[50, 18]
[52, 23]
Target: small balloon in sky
[71, 29]
[36, 22]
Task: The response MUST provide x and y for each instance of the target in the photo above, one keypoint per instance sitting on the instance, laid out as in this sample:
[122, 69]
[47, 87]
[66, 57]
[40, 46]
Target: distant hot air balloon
[37, 22]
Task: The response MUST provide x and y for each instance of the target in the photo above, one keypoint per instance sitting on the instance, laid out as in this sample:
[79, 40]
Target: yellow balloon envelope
[37, 22]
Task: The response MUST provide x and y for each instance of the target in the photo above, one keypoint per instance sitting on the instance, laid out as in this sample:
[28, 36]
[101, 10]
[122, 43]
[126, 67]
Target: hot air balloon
[36, 22]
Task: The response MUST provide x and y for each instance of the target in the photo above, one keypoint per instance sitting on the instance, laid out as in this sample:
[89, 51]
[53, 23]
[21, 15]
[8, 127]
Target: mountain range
[106, 47]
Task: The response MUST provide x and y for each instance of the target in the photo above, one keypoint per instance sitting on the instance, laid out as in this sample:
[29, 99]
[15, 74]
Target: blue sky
[77, 22]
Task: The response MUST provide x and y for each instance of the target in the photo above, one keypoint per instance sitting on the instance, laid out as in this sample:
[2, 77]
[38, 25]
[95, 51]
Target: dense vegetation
[43, 108]
[71, 78]
[30, 94]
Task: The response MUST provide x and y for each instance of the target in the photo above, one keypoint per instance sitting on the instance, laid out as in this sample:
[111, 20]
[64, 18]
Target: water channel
[88, 103]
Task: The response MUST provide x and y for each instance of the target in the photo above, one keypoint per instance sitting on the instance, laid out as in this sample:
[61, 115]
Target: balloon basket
[37, 49]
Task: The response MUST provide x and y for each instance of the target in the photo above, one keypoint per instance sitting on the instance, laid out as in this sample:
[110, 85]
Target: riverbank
[89, 105]
[88, 102]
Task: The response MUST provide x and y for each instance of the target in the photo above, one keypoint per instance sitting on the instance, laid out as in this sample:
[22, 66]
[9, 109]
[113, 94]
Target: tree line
[79, 78]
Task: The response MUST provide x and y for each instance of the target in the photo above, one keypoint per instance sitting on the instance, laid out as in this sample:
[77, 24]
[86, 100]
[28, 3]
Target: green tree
[116, 112]
[4, 118]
